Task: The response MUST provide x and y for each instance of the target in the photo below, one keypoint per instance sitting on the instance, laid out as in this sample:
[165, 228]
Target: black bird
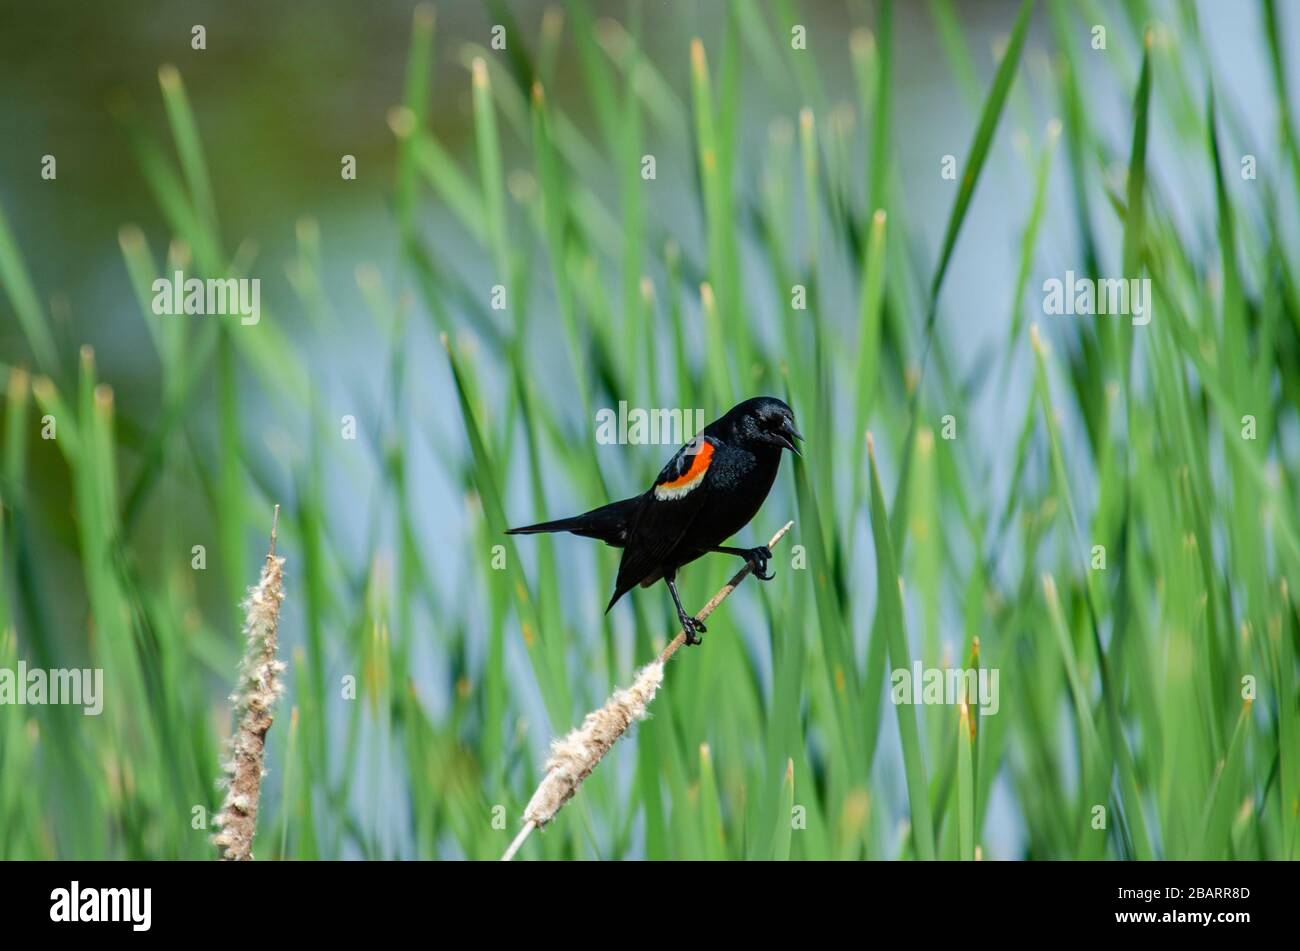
[708, 491]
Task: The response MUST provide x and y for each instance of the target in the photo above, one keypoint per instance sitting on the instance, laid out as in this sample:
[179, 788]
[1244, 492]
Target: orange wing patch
[676, 488]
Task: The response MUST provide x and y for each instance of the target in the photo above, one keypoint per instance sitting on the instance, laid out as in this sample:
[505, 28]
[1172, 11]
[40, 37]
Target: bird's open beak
[787, 436]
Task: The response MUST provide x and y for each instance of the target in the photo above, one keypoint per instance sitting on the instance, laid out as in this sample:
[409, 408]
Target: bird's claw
[693, 628]
[758, 559]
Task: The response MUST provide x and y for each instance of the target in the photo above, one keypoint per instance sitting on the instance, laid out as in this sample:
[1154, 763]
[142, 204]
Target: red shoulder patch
[676, 488]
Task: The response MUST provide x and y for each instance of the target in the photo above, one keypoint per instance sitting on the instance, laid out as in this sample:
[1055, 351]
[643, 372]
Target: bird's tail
[610, 523]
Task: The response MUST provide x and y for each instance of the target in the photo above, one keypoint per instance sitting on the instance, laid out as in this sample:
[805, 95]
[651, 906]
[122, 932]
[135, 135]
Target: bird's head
[761, 422]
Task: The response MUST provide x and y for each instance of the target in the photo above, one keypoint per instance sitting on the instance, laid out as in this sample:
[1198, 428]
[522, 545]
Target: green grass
[1123, 690]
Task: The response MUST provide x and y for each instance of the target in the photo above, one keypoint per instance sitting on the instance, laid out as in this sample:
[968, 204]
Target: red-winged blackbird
[708, 491]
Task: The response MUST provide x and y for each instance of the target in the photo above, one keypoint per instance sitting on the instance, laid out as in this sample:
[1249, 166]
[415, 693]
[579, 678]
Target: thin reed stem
[574, 756]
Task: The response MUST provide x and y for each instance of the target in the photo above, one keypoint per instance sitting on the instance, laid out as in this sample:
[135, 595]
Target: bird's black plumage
[708, 491]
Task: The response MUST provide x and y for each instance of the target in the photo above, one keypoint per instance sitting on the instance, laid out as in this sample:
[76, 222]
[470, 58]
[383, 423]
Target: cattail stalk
[574, 756]
[259, 687]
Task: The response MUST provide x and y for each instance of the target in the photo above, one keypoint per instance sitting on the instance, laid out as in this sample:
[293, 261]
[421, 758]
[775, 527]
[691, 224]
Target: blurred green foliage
[1122, 688]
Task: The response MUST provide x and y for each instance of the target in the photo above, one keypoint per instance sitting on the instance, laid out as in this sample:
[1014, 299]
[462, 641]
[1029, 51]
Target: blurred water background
[283, 91]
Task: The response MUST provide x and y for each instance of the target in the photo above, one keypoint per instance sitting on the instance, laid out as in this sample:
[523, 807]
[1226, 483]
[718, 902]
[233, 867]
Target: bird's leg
[692, 626]
[758, 557]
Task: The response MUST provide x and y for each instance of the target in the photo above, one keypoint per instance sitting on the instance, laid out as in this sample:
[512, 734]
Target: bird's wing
[667, 511]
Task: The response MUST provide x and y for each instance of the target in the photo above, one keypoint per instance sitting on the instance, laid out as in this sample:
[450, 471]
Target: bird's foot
[693, 627]
[758, 559]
